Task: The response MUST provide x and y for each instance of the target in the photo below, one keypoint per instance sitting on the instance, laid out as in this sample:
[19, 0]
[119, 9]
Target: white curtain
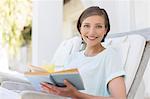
[125, 15]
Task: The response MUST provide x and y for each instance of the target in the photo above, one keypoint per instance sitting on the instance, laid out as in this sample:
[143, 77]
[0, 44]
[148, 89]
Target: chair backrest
[65, 49]
[130, 47]
[141, 72]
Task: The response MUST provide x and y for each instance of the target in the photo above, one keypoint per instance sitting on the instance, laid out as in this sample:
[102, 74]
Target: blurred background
[31, 30]
[15, 33]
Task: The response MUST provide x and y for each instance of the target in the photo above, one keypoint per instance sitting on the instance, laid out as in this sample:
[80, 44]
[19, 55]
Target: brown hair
[94, 10]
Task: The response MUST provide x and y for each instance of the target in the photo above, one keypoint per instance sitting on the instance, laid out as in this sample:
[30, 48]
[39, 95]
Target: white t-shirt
[97, 71]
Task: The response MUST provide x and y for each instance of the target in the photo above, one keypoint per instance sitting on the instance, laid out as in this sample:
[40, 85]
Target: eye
[99, 26]
[86, 26]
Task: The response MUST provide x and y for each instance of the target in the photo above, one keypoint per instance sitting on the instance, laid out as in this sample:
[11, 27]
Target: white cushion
[65, 49]
[131, 48]
[121, 45]
[38, 95]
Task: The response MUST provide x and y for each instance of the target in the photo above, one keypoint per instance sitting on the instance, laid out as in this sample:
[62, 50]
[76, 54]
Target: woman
[100, 68]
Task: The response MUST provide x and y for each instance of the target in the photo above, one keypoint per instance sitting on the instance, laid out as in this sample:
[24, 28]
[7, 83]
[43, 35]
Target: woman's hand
[68, 91]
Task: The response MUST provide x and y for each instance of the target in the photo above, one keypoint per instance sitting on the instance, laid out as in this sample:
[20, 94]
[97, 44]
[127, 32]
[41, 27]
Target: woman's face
[93, 30]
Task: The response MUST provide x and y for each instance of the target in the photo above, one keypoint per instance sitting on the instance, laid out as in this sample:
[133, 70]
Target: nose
[92, 30]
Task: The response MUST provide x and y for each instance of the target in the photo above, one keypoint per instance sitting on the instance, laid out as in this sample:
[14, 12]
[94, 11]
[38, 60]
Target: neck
[93, 50]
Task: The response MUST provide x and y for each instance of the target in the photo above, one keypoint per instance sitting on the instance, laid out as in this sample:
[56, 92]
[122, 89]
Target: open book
[56, 78]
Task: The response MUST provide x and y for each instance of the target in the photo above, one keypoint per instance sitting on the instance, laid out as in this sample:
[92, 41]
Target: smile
[91, 37]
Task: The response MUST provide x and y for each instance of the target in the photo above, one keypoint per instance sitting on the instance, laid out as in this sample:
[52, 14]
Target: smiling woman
[101, 64]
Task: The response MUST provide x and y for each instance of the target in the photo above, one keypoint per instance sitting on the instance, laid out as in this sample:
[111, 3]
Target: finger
[54, 89]
[45, 89]
[46, 85]
[68, 84]
[51, 90]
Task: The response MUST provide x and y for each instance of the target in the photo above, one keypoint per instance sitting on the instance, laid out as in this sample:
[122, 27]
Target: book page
[75, 70]
[44, 68]
[36, 68]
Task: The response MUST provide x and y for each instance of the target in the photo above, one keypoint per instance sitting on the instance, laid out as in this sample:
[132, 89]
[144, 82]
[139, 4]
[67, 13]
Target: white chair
[130, 47]
[136, 60]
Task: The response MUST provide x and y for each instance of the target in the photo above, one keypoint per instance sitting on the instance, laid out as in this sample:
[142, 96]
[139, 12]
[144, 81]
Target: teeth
[92, 38]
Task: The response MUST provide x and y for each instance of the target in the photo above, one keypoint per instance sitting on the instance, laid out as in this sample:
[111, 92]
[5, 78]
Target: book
[55, 78]
[36, 68]
[43, 68]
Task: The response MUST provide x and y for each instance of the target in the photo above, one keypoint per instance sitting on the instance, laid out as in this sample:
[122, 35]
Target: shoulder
[112, 52]
[112, 56]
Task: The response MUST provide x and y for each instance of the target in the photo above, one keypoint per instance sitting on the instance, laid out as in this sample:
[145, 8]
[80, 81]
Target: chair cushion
[12, 76]
[16, 86]
[121, 45]
[131, 48]
[38, 95]
[65, 49]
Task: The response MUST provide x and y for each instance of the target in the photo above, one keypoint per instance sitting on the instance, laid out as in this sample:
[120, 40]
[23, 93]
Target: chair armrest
[16, 86]
[15, 77]
[38, 95]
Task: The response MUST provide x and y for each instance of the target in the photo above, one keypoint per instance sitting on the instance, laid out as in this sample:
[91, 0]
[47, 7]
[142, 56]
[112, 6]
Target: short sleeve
[114, 68]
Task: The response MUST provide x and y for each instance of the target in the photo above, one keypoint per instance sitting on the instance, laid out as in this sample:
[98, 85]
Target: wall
[47, 29]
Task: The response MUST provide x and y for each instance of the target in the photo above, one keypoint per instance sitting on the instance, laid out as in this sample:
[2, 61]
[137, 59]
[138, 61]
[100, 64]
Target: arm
[116, 87]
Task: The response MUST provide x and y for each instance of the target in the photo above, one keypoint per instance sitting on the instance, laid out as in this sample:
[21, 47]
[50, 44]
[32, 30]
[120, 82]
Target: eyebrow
[85, 23]
[96, 23]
